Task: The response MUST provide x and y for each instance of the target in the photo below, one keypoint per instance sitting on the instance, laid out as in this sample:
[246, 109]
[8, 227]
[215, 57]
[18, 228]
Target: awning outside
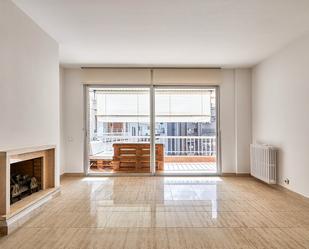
[170, 106]
[160, 119]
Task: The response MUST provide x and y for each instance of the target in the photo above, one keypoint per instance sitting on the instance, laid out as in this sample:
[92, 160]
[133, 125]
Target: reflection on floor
[204, 167]
[194, 167]
[167, 212]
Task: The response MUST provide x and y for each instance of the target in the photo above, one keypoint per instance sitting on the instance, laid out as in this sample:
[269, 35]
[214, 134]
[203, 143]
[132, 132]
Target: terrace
[182, 154]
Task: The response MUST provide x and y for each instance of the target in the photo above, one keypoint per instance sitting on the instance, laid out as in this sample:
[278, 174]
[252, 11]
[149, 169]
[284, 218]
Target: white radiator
[263, 162]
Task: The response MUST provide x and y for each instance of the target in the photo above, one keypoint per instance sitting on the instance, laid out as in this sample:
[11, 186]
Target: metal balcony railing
[173, 145]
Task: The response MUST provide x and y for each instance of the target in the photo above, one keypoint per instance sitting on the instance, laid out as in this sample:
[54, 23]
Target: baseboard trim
[236, 174]
[290, 192]
[243, 174]
[72, 175]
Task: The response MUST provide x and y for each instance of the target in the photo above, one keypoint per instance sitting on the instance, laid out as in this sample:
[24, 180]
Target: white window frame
[152, 129]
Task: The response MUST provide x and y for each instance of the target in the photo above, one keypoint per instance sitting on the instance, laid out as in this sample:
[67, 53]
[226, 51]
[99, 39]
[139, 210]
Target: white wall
[280, 104]
[61, 105]
[227, 121]
[29, 82]
[243, 127]
[235, 110]
[73, 120]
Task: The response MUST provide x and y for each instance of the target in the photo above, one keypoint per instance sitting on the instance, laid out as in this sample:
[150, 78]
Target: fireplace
[25, 178]
[27, 181]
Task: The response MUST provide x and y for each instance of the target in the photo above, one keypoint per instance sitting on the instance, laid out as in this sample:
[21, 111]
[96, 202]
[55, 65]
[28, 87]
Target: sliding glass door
[163, 130]
[118, 130]
[186, 127]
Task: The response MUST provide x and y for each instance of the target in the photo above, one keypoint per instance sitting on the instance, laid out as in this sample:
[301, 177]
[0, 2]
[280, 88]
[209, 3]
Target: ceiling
[184, 33]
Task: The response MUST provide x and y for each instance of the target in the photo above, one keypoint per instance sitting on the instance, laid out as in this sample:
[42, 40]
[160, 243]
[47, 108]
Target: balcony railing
[173, 145]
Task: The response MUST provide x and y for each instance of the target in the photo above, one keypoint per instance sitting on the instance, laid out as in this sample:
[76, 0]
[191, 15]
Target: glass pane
[119, 130]
[186, 128]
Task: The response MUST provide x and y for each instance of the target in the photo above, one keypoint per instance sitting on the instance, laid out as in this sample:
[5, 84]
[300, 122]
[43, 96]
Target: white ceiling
[227, 33]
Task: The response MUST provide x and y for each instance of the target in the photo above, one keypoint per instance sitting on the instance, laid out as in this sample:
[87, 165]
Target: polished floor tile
[167, 212]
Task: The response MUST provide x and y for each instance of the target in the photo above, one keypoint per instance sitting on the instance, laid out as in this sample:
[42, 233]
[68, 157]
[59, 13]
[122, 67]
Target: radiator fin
[264, 162]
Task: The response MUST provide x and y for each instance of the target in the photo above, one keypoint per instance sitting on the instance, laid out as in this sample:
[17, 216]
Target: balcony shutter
[166, 76]
[187, 76]
[107, 76]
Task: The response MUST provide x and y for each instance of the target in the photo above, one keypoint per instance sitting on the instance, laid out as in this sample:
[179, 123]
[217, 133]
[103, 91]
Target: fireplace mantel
[12, 214]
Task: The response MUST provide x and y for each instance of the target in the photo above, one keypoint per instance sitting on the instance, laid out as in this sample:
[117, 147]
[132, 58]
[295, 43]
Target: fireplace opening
[25, 178]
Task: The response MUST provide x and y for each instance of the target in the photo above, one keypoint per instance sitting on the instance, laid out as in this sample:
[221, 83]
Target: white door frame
[218, 132]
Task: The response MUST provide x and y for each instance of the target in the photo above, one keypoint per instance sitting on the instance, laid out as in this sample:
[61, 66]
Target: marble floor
[167, 212]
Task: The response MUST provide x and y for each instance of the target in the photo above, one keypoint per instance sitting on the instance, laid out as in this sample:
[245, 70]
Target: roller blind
[143, 76]
[186, 76]
[116, 76]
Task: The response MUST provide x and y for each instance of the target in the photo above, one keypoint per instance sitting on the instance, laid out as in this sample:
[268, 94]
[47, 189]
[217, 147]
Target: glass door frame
[218, 131]
[152, 121]
[87, 125]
